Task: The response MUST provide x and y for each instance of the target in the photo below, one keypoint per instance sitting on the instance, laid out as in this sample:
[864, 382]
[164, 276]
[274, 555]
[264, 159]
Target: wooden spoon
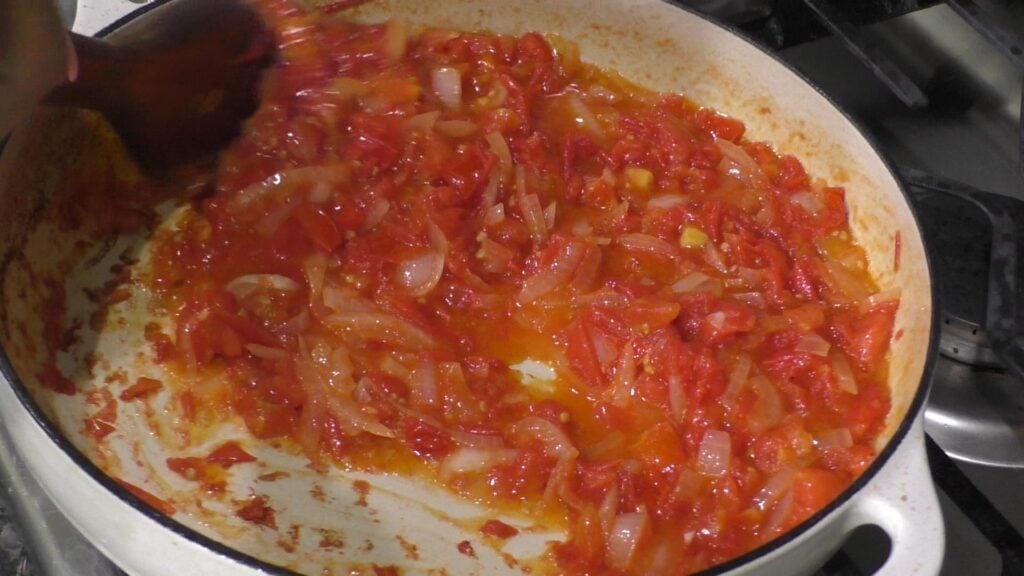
[178, 83]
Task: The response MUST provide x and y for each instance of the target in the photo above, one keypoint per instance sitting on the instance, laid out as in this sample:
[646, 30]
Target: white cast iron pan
[651, 42]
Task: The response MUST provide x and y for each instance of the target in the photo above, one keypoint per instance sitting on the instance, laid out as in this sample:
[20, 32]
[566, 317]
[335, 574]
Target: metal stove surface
[968, 133]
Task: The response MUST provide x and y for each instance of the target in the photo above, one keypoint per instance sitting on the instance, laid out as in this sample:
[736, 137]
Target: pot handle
[901, 500]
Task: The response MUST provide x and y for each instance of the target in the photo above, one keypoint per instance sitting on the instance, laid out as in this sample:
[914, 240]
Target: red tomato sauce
[475, 259]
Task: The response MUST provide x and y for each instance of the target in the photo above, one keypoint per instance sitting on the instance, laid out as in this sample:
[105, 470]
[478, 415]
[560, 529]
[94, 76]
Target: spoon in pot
[178, 83]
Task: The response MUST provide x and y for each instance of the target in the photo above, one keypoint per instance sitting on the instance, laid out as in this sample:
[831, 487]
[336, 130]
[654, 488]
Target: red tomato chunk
[476, 259]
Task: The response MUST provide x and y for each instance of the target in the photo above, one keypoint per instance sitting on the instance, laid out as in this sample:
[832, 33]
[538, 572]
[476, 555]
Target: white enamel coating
[667, 49]
[901, 500]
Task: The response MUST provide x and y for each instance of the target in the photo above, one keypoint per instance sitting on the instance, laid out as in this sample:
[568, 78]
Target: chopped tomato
[477, 261]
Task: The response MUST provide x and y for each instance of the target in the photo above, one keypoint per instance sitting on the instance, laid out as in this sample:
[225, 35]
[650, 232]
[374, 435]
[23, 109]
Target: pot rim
[179, 529]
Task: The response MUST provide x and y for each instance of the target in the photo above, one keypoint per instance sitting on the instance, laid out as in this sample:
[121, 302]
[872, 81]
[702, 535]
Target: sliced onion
[609, 509]
[494, 257]
[549, 214]
[244, 286]
[738, 375]
[495, 214]
[380, 327]
[624, 538]
[557, 275]
[266, 352]
[883, 297]
[845, 379]
[716, 319]
[583, 116]
[688, 486]
[320, 192]
[624, 381]
[666, 201]
[812, 343]
[677, 401]
[455, 128]
[420, 274]
[736, 162]
[714, 453]
[422, 122]
[533, 217]
[333, 174]
[496, 142]
[835, 438]
[476, 440]
[779, 514]
[298, 323]
[395, 40]
[776, 487]
[490, 196]
[603, 296]
[851, 286]
[423, 386]
[768, 410]
[469, 459]
[808, 201]
[638, 242]
[555, 441]
[752, 299]
[354, 420]
[447, 83]
[375, 213]
[713, 256]
[696, 282]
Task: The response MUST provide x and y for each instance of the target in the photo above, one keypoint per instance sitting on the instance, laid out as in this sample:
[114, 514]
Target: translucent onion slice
[244, 286]
[556, 442]
[835, 438]
[455, 128]
[714, 453]
[447, 83]
[736, 162]
[469, 459]
[812, 343]
[496, 142]
[843, 372]
[420, 275]
[776, 486]
[639, 242]
[624, 538]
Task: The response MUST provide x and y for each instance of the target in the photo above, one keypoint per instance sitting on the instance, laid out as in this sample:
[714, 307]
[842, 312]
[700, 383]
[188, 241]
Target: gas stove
[938, 86]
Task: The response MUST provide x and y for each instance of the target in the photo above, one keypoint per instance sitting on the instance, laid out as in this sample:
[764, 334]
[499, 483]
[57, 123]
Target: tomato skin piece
[814, 488]
[426, 440]
[719, 125]
[229, 454]
[865, 339]
[498, 529]
[728, 321]
[791, 175]
[320, 228]
[659, 447]
[582, 357]
[143, 387]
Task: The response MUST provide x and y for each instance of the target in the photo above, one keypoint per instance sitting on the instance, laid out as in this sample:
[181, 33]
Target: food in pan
[478, 261]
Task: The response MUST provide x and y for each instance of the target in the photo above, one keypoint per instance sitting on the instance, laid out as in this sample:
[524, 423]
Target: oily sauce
[475, 259]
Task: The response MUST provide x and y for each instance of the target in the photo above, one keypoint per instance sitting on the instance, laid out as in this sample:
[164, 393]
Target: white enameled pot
[651, 42]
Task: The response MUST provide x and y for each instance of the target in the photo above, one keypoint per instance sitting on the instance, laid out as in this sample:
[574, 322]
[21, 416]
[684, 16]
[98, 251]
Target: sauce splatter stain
[411, 552]
[257, 511]
[362, 488]
[466, 549]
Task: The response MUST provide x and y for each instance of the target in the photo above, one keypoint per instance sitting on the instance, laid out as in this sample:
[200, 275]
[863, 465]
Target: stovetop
[943, 102]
